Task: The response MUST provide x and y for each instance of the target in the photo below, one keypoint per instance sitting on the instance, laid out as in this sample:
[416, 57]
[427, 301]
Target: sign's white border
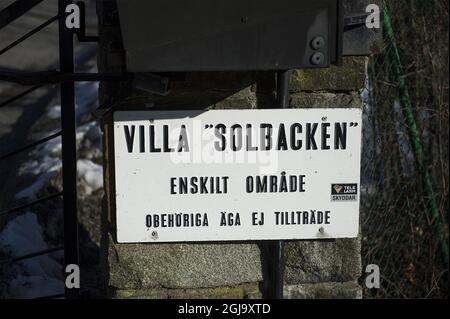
[150, 207]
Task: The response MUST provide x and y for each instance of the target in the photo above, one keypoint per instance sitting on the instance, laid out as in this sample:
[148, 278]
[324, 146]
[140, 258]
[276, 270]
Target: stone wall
[314, 269]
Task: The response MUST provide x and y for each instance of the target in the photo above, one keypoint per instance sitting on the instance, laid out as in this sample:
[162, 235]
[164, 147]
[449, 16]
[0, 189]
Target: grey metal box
[225, 35]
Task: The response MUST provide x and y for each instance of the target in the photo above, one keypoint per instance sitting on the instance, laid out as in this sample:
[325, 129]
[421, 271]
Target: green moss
[350, 77]
[243, 291]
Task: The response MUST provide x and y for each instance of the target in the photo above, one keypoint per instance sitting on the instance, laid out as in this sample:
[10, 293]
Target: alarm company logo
[344, 192]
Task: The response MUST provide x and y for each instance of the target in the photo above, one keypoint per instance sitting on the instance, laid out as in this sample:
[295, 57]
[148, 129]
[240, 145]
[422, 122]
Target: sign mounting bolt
[317, 58]
[318, 43]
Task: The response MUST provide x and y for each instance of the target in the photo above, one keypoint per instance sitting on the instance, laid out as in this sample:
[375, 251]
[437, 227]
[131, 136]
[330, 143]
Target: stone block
[138, 266]
[349, 77]
[204, 99]
[244, 291]
[322, 261]
[327, 290]
[326, 100]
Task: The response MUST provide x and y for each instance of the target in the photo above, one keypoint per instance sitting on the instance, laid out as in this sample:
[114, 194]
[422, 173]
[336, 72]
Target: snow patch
[47, 163]
[44, 168]
[41, 275]
[91, 174]
[90, 131]
[86, 97]
[85, 100]
[54, 112]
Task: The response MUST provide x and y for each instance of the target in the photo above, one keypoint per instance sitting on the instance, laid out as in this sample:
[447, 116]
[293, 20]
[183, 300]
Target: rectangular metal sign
[225, 175]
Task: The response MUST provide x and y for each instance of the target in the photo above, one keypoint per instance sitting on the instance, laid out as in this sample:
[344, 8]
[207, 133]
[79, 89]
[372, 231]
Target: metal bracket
[355, 21]
[151, 83]
[81, 32]
[358, 40]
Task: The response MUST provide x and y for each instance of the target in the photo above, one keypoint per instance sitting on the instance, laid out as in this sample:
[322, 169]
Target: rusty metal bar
[277, 246]
[18, 96]
[32, 255]
[22, 207]
[54, 77]
[29, 34]
[69, 147]
[16, 10]
[41, 141]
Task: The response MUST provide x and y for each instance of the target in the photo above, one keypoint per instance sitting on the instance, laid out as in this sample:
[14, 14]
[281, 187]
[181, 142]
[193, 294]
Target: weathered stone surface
[138, 266]
[204, 99]
[326, 100]
[327, 290]
[350, 77]
[321, 261]
[244, 291]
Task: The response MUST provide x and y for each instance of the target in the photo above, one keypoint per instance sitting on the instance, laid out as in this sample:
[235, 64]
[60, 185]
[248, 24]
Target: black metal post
[277, 246]
[277, 269]
[69, 153]
[283, 89]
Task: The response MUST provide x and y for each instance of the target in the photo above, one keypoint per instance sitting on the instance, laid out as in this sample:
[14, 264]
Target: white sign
[226, 175]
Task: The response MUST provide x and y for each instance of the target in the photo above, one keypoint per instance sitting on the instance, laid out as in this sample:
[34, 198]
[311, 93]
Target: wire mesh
[399, 232]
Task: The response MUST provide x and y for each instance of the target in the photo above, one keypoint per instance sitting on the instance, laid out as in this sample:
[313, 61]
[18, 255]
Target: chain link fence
[404, 197]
